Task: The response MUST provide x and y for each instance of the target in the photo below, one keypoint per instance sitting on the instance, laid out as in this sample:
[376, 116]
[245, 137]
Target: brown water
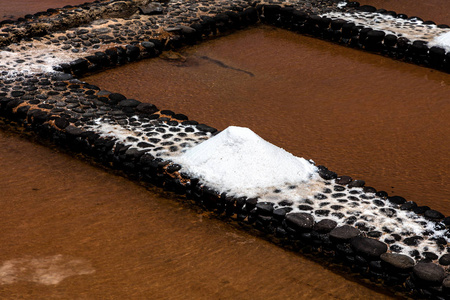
[361, 115]
[435, 10]
[19, 8]
[132, 243]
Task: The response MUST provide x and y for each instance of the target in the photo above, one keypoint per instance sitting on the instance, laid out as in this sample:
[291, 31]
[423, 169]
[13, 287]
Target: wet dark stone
[327, 191]
[366, 8]
[413, 241]
[430, 255]
[116, 97]
[421, 209]
[336, 207]
[61, 123]
[344, 233]
[445, 259]
[388, 212]
[429, 272]
[395, 248]
[17, 93]
[280, 213]
[300, 221]
[206, 128]
[446, 221]
[305, 207]
[368, 247]
[325, 173]
[408, 205]
[381, 194]
[320, 196]
[338, 215]
[129, 103]
[356, 183]
[369, 189]
[351, 220]
[325, 226]
[286, 203]
[173, 168]
[378, 202]
[264, 208]
[339, 188]
[396, 200]
[144, 145]
[322, 212]
[375, 234]
[338, 195]
[74, 131]
[343, 180]
[398, 261]
[433, 215]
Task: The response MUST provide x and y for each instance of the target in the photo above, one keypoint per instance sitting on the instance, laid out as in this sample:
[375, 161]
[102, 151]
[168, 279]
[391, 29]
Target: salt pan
[239, 162]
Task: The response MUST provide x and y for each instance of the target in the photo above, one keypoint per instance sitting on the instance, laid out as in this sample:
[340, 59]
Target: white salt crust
[36, 57]
[131, 135]
[410, 29]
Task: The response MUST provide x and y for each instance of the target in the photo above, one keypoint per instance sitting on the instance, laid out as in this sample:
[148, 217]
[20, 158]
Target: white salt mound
[238, 161]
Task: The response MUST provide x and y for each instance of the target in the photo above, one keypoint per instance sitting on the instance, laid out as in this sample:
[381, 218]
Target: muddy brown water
[434, 10]
[102, 236]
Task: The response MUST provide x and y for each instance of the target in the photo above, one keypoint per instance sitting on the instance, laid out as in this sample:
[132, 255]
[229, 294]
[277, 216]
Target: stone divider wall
[66, 111]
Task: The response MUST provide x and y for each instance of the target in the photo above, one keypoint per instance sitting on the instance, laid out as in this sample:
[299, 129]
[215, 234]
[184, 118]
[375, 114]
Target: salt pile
[238, 161]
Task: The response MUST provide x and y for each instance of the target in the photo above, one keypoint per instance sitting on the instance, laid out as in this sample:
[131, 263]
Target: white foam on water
[238, 161]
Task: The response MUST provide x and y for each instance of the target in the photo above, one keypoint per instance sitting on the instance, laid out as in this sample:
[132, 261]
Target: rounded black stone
[368, 247]
[129, 103]
[116, 97]
[408, 205]
[421, 209]
[336, 207]
[356, 183]
[326, 174]
[433, 214]
[343, 180]
[375, 234]
[280, 213]
[300, 221]
[429, 272]
[305, 207]
[325, 225]
[430, 255]
[398, 261]
[344, 233]
[61, 123]
[206, 128]
[339, 188]
[264, 208]
[445, 259]
[413, 241]
[396, 200]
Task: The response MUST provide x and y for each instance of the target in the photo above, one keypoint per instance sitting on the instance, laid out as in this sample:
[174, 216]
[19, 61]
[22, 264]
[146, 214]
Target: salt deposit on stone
[412, 29]
[238, 161]
[442, 41]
